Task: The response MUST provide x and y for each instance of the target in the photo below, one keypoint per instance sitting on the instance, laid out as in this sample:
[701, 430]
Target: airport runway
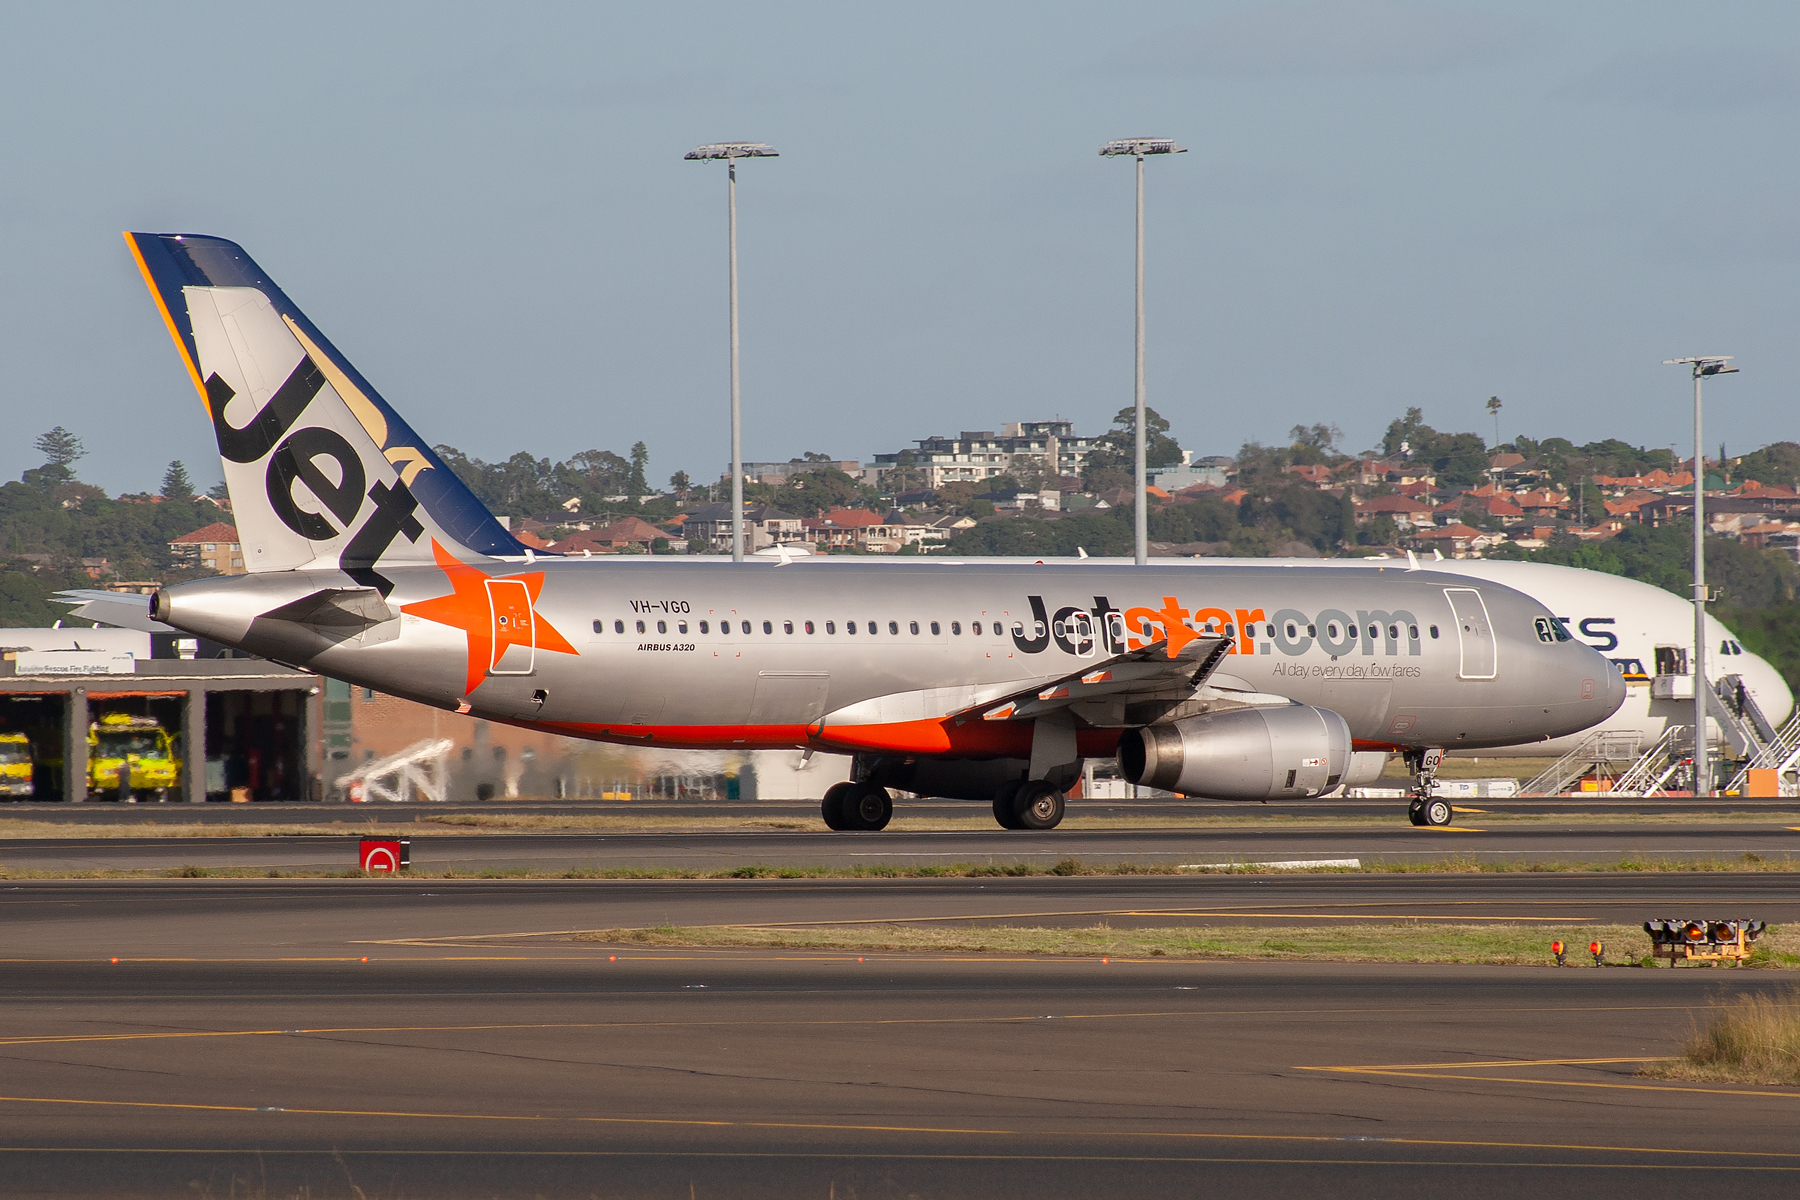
[242, 1045]
[726, 849]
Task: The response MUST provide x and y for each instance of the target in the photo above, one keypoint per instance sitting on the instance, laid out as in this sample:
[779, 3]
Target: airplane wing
[1149, 674]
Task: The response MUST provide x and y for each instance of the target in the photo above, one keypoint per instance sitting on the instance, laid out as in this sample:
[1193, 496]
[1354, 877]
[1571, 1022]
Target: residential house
[1405, 511]
[1317, 474]
[214, 547]
[840, 528]
[93, 568]
[1455, 540]
[1542, 502]
[629, 534]
[1506, 511]
[764, 525]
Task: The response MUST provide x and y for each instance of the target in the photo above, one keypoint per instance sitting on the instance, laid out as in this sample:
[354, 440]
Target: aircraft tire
[1437, 812]
[867, 808]
[1038, 805]
[1415, 813]
[832, 807]
[1005, 811]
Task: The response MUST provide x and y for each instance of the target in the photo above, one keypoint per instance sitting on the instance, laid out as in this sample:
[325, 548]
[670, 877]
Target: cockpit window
[1551, 629]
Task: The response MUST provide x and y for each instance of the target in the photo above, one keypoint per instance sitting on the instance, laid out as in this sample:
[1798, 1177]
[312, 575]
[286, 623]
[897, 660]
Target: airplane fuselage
[882, 658]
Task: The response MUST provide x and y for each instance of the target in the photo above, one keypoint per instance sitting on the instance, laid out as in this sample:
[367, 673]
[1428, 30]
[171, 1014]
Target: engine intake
[1244, 754]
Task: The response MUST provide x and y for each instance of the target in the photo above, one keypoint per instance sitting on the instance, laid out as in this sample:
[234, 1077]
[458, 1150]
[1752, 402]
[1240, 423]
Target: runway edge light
[1559, 949]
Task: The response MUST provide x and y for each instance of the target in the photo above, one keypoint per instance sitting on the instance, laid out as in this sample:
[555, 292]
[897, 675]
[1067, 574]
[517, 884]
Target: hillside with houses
[1036, 489]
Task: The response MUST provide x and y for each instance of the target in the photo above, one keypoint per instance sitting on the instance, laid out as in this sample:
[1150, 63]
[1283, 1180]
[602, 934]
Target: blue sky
[1386, 204]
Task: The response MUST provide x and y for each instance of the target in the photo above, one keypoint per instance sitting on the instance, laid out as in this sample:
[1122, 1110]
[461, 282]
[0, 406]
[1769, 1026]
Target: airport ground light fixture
[1702, 366]
[1139, 148]
[730, 152]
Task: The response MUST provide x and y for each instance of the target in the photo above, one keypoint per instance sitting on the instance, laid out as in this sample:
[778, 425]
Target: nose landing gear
[1427, 809]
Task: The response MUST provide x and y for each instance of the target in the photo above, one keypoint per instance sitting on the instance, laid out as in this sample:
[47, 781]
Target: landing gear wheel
[1437, 812]
[1038, 805]
[832, 807]
[1005, 810]
[868, 808]
[1415, 813]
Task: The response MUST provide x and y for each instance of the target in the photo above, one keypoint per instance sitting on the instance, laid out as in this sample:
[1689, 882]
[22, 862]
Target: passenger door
[1475, 633]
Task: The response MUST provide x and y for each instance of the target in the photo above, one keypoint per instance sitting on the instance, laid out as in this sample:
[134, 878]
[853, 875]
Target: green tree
[637, 483]
[1777, 463]
[809, 493]
[175, 483]
[1324, 438]
[60, 449]
[680, 484]
[1118, 446]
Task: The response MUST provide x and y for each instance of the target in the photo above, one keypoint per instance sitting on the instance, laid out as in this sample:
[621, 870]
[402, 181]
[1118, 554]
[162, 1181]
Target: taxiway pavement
[726, 849]
[274, 1037]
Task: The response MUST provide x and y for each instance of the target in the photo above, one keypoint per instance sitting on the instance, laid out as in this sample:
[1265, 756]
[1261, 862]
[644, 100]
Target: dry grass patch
[1494, 945]
[1752, 1039]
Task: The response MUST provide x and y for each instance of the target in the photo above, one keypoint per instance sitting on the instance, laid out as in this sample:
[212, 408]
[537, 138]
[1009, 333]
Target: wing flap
[1148, 674]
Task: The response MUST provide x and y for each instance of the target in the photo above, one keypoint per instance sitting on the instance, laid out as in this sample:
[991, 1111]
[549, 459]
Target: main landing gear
[860, 807]
[1033, 804]
[1426, 808]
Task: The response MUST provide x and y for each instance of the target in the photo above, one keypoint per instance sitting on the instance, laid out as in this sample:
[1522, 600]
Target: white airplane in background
[1648, 633]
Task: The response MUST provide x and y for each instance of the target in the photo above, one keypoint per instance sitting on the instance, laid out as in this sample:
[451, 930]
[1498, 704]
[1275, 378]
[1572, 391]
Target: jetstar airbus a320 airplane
[370, 562]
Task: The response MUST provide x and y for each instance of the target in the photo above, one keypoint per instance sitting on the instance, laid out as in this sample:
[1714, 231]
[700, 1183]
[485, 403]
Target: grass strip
[1751, 863]
[1494, 945]
[1752, 1039]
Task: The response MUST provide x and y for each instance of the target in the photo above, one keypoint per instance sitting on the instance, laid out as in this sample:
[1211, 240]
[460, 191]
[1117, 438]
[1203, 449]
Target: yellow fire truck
[16, 766]
[137, 748]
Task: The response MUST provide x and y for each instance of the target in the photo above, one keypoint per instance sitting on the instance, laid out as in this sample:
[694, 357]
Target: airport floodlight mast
[1718, 364]
[731, 152]
[1137, 148]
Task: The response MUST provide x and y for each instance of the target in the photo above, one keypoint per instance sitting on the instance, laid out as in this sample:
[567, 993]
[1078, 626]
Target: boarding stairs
[1594, 756]
[1650, 774]
[421, 771]
[1779, 751]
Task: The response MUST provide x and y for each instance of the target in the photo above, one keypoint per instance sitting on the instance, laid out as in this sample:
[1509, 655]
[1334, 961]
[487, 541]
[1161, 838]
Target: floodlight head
[729, 150]
[1138, 147]
[1706, 364]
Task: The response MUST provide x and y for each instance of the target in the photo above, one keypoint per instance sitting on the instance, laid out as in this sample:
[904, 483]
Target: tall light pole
[1702, 367]
[1137, 148]
[731, 152]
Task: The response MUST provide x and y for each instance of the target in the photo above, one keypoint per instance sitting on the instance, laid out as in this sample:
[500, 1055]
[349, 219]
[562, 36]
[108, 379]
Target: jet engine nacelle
[1243, 754]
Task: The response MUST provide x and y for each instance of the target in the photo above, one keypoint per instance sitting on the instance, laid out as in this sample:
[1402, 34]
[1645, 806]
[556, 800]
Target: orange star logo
[1174, 619]
[497, 612]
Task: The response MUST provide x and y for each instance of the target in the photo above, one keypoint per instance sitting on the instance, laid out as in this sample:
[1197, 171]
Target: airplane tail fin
[322, 472]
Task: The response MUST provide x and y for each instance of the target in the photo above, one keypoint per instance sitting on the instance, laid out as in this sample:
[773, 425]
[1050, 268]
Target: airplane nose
[1616, 690]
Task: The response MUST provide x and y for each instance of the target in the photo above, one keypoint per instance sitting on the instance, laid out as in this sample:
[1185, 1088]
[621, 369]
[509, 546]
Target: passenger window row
[851, 628]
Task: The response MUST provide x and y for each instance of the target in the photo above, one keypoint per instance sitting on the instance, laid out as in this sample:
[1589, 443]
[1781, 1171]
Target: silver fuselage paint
[1342, 639]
